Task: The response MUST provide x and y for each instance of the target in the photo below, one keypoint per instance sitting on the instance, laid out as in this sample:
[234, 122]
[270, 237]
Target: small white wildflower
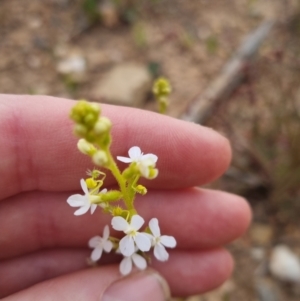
[144, 162]
[160, 241]
[127, 243]
[99, 244]
[126, 263]
[85, 202]
[136, 155]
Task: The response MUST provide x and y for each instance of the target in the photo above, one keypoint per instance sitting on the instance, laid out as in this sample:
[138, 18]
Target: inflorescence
[94, 131]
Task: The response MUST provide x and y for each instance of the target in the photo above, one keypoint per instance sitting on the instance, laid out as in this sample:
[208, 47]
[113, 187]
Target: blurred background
[234, 66]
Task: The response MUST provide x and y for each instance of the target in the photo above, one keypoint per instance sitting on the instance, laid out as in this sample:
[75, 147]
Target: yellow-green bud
[105, 140]
[86, 147]
[90, 119]
[103, 125]
[118, 211]
[100, 158]
[161, 87]
[85, 113]
[80, 130]
[90, 136]
[153, 173]
[141, 189]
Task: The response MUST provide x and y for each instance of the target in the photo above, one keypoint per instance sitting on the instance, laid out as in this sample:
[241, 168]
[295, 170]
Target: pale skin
[43, 246]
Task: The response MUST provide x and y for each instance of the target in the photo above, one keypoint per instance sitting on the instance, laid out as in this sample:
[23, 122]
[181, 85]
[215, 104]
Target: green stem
[131, 186]
[112, 166]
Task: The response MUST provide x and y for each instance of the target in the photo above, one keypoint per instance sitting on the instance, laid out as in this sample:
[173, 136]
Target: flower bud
[85, 113]
[153, 173]
[100, 158]
[141, 189]
[161, 87]
[90, 119]
[86, 147]
[90, 136]
[118, 211]
[80, 130]
[103, 125]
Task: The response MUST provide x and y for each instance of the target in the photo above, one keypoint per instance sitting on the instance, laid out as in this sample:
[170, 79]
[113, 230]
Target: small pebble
[285, 264]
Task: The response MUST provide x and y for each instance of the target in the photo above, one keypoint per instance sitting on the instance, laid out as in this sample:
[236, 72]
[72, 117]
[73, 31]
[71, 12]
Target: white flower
[126, 263]
[144, 162]
[127, 243]
[136, 155]
[99, 244]
[85, 202]
[160, 242]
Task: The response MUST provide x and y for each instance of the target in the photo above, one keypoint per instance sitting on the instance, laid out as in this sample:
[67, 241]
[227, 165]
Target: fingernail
[146, 286]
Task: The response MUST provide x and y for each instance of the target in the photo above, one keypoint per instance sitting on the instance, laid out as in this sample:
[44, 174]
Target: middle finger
[197, 218]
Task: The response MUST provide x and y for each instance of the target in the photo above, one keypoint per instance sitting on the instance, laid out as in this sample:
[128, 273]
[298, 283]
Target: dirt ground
[188, 42]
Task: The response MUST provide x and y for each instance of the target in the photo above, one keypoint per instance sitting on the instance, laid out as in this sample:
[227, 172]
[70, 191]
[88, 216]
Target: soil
[188, 42]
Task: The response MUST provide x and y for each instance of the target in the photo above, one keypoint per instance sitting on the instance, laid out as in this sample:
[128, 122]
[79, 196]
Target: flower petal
[82, 210]
[94, 241]
[84, 186]
[103, 190]
[126, 266]
[154, 227]
[144, 170]
[136, 222]
[139, 261]
[151, 237]
[160, 252]
[143, 242]
[105, 232]
[126, 245]
[93, 208]
[168, 241]
[124, 159]
[135, 153]
[107, 246]
[151, 157]
[96, 254]
[119, 223]
[76, 200]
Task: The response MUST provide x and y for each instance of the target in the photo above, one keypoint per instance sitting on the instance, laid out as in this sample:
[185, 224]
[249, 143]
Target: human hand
[43, 246]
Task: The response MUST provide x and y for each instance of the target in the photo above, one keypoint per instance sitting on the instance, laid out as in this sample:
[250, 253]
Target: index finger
[38, 150]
